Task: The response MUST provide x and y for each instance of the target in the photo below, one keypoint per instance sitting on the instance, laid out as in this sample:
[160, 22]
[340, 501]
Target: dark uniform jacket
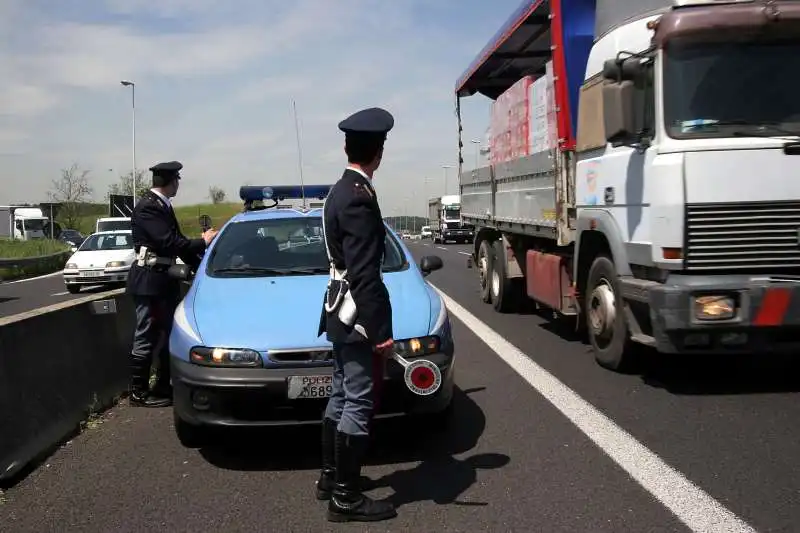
[356, 238]
[154, 225]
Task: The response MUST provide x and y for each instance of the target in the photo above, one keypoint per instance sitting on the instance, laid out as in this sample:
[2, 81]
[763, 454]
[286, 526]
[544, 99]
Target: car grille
[748, 237]
[294, 356]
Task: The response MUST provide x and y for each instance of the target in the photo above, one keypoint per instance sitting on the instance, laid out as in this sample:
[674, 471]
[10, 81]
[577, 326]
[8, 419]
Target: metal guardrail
[22, 262]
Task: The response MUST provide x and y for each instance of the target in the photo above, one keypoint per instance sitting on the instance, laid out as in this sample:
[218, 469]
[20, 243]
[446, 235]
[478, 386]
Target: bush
[53, 254]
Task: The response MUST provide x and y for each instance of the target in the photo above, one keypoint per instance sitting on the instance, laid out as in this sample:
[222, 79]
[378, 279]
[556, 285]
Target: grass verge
[14, 249]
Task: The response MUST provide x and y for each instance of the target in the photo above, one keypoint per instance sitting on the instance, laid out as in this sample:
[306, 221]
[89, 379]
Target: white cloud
[215, 81]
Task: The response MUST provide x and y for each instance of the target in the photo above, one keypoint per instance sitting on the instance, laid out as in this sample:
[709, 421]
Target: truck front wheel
[605, 320]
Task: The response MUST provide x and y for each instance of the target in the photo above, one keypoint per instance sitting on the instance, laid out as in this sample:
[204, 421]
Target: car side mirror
[429, 263]
[180, 272]
[205, 222]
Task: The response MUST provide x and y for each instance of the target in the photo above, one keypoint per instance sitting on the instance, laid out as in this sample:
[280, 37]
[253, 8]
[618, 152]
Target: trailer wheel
[503, 290]
[606, 325]
[485, 267]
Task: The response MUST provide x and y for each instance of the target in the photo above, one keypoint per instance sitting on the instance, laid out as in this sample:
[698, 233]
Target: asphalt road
[529, 451]
[26, 295]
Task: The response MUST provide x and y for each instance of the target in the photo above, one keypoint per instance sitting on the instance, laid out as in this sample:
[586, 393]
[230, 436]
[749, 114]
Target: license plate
[310, 387]
[92, 274]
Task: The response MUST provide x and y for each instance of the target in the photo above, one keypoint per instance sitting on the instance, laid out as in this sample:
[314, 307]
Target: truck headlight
[227, 357]
[418, 346]
[714, 307]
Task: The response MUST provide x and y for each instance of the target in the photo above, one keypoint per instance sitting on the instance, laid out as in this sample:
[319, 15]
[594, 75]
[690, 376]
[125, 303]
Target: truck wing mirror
[618, 112]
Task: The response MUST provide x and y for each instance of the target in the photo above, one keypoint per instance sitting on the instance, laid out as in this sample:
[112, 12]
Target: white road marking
[690, 504]
[52, 274]
[441, 248]
[60, 293]
[465, 253]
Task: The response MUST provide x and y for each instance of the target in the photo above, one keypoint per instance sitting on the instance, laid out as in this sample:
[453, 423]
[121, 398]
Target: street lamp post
[128, 83]
[445, 167]
[477, 151]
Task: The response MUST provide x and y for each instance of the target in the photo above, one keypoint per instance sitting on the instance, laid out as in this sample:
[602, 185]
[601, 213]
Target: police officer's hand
[209, 235]
[385, 348]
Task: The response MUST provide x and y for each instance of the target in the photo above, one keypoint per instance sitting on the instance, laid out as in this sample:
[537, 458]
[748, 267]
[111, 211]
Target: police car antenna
[299, 152]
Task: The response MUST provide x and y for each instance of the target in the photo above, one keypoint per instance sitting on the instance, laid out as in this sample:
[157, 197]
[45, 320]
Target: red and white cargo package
[510, 123]
[542, 113]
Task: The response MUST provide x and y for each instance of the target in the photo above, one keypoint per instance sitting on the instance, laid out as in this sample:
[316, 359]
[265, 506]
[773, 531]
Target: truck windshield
[34, 224]
[731, 89]
[452, 213]
[113, 225]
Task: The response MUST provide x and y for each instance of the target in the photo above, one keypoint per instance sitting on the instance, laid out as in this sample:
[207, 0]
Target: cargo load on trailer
[641, 172]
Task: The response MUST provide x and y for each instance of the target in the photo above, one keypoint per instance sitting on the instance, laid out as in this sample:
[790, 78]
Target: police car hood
[283, 312]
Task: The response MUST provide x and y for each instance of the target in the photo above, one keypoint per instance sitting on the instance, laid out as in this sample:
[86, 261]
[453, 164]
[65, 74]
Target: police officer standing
[157, 241]
[355, 237]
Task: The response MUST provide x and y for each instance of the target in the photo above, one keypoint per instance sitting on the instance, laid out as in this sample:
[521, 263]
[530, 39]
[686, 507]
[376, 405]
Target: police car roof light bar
[279, 193]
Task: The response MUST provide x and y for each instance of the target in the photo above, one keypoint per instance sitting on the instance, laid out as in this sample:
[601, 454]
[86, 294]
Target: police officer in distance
[157, 241]
[355, 237]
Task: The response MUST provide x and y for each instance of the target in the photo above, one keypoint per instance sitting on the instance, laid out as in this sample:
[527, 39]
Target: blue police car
[244, 344]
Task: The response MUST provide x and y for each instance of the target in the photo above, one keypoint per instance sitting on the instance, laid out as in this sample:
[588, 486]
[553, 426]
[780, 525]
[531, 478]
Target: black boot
[140, 376]
[327, 475]
[348, 503]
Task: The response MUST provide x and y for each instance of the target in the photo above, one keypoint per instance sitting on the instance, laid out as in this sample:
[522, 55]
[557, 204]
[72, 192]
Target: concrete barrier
[56, 364]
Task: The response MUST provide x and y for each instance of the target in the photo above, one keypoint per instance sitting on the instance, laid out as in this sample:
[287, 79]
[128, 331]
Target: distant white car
[104, 258]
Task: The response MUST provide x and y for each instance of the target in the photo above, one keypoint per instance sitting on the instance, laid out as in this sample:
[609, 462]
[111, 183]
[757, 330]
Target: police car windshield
[120, 241]
[280, 246]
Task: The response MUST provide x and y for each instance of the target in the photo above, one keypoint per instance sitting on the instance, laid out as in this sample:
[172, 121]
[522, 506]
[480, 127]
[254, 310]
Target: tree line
[74, 192]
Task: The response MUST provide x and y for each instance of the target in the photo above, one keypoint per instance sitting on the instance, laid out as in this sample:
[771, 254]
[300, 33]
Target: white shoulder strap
[331, 262]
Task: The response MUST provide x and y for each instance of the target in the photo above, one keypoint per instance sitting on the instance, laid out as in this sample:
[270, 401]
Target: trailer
[646, 187]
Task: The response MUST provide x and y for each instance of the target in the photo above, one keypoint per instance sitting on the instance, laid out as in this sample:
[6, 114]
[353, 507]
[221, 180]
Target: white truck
[113, 224]
[22, 223]
[649, 189]
[444, 217]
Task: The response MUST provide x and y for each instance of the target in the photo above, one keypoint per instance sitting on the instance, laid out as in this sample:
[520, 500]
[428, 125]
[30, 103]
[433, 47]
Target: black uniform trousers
[357, 382]
[154, 317]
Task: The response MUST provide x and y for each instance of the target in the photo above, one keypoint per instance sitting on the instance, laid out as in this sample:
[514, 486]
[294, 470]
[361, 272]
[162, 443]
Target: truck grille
[750, 237]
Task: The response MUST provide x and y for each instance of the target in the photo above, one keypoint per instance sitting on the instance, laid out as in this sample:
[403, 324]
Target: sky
[215, 83]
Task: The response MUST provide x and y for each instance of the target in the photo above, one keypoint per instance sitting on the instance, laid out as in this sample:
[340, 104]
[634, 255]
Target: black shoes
[144, 398]
[347, 503]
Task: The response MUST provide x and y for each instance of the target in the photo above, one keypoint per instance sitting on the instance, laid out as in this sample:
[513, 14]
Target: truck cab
[29, 223]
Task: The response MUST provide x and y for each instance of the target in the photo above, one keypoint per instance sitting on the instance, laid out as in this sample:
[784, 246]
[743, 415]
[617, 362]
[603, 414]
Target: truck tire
[504, 296]
[605, 322]
[485, 267]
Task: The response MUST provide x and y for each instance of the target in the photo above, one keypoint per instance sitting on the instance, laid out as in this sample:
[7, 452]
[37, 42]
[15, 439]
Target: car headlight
[418, 346]
[202, 355]
[115, 264]
[71, 266]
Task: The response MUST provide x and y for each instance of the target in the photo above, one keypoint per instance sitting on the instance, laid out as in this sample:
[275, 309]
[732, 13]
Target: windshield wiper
[757, 127]
[274, 271]
[309, 270]
[248, 270]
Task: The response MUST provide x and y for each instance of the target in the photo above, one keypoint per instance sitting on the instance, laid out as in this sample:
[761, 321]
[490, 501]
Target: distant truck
[642, 175]
[22, 223]
[444, 218]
